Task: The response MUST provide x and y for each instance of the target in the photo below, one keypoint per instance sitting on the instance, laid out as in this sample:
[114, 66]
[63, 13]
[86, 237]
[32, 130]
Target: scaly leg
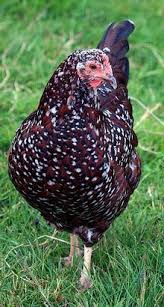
[78, 251]
[85, 281]
[73, 246]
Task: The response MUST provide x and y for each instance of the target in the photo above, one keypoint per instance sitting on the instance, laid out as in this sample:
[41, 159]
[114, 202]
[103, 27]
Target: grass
[128, 267]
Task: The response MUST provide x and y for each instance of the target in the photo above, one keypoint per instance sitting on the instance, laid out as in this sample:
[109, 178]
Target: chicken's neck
[65, 93]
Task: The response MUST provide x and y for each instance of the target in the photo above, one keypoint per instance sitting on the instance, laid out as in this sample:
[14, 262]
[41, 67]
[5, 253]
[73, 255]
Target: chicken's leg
[73, 246]
[85, 281]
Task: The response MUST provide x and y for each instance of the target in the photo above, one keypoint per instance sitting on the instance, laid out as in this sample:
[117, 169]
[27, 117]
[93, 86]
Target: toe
[85, 282]
[67, 261]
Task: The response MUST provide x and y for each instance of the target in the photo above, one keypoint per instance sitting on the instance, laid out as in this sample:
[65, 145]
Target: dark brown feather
[74, 158]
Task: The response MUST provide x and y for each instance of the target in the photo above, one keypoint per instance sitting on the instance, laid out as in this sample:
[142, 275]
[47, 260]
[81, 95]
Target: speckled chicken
[74, 158]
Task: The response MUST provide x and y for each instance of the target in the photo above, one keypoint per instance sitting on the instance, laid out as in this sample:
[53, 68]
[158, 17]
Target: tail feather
[105, 42]
[120, 49]
[116, 39]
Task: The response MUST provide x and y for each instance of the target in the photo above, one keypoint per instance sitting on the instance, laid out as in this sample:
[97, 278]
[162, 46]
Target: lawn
[128, 264]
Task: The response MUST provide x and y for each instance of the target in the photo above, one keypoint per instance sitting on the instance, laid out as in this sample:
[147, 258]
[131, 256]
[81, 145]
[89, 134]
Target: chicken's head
[93, 68]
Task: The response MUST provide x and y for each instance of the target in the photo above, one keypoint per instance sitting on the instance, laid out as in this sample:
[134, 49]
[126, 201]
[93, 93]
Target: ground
[128, 267]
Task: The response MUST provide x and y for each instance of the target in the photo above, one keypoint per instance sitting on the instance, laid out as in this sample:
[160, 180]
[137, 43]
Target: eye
[92, 66]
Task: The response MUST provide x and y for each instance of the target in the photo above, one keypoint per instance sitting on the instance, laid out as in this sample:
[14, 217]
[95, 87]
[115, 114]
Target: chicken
[74, 158]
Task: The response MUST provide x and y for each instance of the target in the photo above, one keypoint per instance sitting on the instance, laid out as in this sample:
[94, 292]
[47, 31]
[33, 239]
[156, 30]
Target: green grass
[128, 266]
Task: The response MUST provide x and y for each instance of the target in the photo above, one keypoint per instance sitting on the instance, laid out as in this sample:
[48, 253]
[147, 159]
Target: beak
[111, 80]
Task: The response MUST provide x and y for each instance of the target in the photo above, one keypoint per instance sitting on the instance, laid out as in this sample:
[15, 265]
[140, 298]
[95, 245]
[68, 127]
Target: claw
[85, 282]
[67, 261]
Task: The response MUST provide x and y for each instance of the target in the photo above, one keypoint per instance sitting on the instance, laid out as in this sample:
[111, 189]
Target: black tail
[116, 39]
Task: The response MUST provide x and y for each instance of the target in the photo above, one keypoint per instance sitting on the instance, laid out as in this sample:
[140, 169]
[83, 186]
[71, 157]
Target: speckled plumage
[74, 158]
